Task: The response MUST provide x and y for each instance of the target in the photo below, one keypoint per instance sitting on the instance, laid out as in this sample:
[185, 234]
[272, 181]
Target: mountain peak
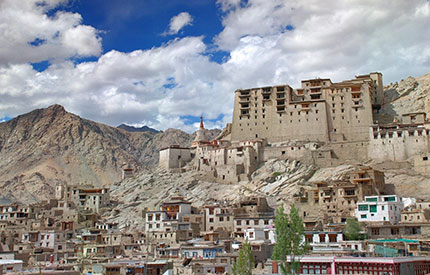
[57, 107]
[135, 129]
[55, 110]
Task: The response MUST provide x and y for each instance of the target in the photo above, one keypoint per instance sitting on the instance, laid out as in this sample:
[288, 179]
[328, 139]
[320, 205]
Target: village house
[170, 212]
[379, 209]
[218, 218]
[85, 197]
[200, 249]
[418, 212]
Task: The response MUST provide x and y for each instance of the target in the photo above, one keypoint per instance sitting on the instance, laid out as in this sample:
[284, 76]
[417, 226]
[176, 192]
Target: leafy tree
[352, 229]
[245, 261]
[289, 232]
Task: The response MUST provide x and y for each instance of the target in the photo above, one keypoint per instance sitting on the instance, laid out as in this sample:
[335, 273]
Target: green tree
[352, 229]
[289, 232]
[245, 261]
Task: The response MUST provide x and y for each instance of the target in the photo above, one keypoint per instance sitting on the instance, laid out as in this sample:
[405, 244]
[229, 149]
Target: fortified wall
[401, 140]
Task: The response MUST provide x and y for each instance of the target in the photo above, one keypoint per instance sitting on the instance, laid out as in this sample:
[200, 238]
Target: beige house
[174, 157]
[417, 213]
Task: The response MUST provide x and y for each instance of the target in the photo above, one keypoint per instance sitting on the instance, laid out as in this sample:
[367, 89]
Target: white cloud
[29, 35]
[334, 39]
[178, 22]
[269, 42]
[121, 87]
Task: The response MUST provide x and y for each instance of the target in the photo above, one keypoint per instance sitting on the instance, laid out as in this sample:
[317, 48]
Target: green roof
[394, 241]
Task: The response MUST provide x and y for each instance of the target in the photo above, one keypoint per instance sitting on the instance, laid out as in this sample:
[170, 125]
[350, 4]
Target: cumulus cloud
[178, 22]
[268, 42]
[28, 34]
[156, 86]
[337, 39]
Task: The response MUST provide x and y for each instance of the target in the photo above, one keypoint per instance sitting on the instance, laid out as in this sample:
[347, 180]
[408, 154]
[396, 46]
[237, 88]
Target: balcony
[316, 90]
[266, 90]
[316, 85]
[280, 109]
[244, 100]
[245, 94]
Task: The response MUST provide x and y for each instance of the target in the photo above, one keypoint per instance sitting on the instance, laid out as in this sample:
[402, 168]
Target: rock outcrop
[407, 96]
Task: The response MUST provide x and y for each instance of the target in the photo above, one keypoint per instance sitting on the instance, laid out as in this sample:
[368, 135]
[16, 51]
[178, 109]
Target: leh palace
[321, 123]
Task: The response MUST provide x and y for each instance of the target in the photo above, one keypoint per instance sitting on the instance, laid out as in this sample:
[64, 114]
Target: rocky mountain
[137, 129]
[50, 145]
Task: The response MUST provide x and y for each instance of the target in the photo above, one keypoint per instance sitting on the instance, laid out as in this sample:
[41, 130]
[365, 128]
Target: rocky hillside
[277, 180]
[50, 145]
[407, 96]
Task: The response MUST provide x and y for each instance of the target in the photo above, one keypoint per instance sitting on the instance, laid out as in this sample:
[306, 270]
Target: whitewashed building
[379, 209]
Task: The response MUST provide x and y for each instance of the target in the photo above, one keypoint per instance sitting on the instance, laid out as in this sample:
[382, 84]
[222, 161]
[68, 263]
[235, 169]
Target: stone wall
[398, 144]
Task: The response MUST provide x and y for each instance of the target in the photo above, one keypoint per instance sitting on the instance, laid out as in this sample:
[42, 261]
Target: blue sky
[165, 63]
[135, 24]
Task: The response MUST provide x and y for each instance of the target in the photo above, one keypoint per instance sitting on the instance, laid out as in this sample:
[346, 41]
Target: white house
[9, 266]
[171, 212]
[321, 241]
[379, 209]
[260, 234]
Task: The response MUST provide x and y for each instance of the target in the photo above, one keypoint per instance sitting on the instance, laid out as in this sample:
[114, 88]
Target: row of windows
[399, 134]
[256, 222]
[411, 217]
[220, 219]
[299, 113]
